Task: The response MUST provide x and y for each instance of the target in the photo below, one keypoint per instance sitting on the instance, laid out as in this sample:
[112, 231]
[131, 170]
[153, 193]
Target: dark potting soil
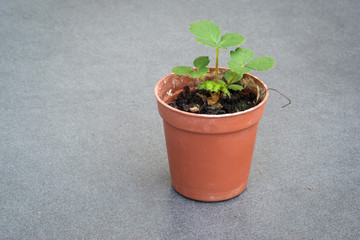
[197, 102]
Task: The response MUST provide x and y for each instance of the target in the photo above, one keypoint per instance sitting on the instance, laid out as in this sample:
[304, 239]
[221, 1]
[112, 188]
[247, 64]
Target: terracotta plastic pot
[209, 155]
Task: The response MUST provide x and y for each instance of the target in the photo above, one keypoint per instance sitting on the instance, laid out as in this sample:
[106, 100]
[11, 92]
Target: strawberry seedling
[242, 59]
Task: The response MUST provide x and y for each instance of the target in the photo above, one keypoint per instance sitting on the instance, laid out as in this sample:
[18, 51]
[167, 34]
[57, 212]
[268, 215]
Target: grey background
[82, 150]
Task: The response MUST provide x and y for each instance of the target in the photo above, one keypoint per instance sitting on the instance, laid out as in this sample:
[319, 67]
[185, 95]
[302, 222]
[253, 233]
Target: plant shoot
[242, 59]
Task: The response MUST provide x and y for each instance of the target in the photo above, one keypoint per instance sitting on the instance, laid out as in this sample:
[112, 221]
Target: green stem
[217, 65]
[231, 80]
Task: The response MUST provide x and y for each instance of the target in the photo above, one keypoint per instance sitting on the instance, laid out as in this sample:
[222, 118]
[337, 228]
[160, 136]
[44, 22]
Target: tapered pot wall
[209, 155]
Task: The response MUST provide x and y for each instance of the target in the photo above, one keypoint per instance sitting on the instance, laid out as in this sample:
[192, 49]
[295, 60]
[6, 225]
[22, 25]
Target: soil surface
[197, 102]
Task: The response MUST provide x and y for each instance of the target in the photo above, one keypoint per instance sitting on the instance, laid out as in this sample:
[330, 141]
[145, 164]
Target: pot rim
[211, 116]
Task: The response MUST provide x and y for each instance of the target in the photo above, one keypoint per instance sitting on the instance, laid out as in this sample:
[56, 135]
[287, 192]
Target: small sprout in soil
[242, 61]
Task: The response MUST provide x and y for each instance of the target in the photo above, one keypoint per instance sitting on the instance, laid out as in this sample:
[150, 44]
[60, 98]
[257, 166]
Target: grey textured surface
[82, 151]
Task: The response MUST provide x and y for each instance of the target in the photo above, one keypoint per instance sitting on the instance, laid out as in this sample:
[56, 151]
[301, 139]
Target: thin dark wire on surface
[273, 89]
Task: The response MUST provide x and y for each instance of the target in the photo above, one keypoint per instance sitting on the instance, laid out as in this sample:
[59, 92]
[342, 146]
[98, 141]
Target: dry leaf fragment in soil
[213, 99]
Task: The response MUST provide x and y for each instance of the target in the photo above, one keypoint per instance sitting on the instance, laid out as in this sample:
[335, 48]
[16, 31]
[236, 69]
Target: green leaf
[238, 58]
[208, 33]
[238, 69]
[225, 89]
[182, 70]
[214, 87]
[199, 73]
[210, 85]
[201, 62]
[229, 76]
[261, 64]
[206, 42]
[221, 82]
[207, 85]
[231, 40]
[236, 87]
[241, 56]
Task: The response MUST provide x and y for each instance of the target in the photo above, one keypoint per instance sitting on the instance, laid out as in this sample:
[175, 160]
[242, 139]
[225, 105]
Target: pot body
[209, 155]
